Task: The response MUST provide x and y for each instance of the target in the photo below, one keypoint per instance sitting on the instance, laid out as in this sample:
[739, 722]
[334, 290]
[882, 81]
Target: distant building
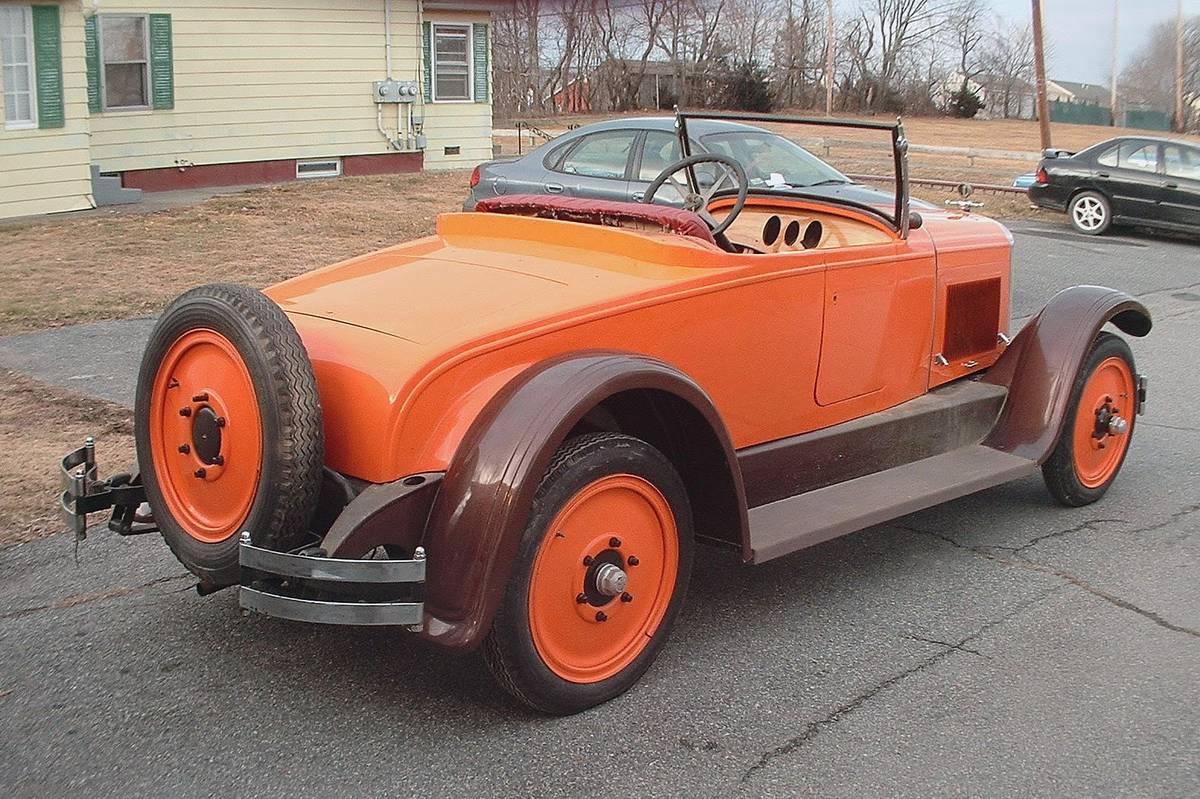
[106, 98]
[1002, 97]
[1068, 91]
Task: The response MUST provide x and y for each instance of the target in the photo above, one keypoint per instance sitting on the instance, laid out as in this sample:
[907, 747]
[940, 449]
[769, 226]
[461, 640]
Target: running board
[801, 521]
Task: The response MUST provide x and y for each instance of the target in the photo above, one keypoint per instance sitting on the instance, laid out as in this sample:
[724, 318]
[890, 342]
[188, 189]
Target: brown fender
[481, 511]
[1043, 361]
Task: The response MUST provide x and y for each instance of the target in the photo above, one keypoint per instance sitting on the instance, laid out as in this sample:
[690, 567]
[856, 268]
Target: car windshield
[771, 160]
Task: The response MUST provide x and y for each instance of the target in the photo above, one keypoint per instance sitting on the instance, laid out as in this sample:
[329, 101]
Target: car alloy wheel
[1089, 213]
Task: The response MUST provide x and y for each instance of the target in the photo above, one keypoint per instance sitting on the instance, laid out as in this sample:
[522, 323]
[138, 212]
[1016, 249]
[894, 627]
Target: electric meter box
[395, 91]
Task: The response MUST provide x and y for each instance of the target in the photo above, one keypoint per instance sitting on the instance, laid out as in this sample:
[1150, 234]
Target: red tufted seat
[599, 212]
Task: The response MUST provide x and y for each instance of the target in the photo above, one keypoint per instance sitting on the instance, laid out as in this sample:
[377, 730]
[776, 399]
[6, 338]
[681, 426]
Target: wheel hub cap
[206, 435]
[611, 580]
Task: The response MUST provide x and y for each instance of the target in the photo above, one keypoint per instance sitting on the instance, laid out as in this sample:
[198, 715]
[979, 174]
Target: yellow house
[107, 98]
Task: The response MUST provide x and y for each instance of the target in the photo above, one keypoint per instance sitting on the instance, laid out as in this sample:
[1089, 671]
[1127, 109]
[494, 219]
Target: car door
[1181, 185]
[596, 167]
[1128, 173]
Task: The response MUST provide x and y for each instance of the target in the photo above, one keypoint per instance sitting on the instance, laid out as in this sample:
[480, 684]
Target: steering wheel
[698, 202]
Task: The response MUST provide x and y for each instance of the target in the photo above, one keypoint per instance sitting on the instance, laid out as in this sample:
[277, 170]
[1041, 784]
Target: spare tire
[228, 428]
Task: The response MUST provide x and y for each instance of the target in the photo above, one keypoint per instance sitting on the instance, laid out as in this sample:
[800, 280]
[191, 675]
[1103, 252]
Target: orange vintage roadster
[514, 433]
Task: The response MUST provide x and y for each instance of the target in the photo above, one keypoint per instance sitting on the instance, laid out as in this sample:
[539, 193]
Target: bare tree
[799, 53]
[1008, 60]
[966, 30]
[1150, 77]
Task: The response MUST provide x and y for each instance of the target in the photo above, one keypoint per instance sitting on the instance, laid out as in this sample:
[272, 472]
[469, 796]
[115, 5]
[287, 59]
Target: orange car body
[783, 343]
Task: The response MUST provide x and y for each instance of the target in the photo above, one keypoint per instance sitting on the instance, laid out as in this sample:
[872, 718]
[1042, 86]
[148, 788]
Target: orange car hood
[484, 274]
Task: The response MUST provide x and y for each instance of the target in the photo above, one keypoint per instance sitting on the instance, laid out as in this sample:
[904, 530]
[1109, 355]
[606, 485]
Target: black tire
[1059, 470]
[289, 413]
[1092, 201]
[509, 649]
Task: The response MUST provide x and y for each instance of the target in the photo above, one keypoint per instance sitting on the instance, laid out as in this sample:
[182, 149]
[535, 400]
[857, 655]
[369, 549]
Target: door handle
[1170, 185]
[638, 196]
[1103, 174]
[554, 188]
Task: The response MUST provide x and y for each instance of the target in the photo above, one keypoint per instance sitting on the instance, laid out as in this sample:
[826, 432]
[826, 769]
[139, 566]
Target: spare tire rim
[603, 578]
[206, 435]
[1103, 422]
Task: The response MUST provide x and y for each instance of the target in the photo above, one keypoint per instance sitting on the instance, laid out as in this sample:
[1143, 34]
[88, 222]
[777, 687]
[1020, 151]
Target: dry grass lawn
[38, 425]
[113, 264]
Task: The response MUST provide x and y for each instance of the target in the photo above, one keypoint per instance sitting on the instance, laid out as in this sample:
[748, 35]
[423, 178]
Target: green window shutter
[91, 57]
[427, 54]
[162, 63]
[479, 42]
[47, 57]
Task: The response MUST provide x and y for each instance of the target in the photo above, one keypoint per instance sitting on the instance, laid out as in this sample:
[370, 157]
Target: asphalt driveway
[995, 646]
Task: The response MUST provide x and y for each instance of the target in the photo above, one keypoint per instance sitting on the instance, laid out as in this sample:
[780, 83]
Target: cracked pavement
[998, 645]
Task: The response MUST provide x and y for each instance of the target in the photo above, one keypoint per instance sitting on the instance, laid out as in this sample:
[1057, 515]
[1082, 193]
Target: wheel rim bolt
[201, 397]
[581, 599]
[601, 616]
[185, 411]
[614, 542]
[184, 448]
[200, 473]
[633, 560]
[587, 560]
[220, 421]
[219, 460]
[626, 597]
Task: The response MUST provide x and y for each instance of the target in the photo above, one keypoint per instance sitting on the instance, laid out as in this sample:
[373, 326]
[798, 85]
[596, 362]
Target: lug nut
[633, 560]
[587, 560]
[601, 616]
[220, 421]
[218, 460]
[201, 397]
[184, 448]
[185, 411]
[581, 599]
[626, 597]
[172, 383]
[200, 473]
[614, 542]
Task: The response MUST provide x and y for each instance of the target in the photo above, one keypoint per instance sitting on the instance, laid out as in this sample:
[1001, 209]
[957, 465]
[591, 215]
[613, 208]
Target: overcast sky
[1081, 31]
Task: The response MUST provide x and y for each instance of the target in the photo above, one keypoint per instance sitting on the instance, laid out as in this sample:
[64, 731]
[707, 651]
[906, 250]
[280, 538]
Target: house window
[451, 62]
[125, 49]
[16, 47]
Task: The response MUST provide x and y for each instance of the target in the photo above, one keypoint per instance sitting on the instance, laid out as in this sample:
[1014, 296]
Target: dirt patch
[30, 449]
[117, 264]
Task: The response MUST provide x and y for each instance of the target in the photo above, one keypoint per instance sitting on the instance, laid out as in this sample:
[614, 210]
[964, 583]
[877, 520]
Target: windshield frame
[899, 221]
[766, 137]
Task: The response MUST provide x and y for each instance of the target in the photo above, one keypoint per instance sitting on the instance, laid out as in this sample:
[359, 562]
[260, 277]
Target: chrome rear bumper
[312, 588]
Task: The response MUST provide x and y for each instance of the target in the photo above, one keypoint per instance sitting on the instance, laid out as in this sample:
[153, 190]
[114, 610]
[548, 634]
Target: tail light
[1041, 178]
[474, 177]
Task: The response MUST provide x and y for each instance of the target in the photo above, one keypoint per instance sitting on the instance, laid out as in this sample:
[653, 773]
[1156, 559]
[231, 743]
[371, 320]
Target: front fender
[1042, 363]
[482, 508]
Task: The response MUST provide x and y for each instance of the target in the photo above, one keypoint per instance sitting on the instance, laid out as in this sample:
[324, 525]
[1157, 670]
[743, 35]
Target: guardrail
[990, 188]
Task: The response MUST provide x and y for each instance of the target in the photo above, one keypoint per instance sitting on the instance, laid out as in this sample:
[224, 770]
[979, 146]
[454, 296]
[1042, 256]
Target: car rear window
[600, 155]
[1139, 155]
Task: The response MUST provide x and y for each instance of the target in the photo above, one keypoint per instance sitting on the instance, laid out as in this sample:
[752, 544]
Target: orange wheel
[603, 578]
[1101, 422]
[1096, 434]
[228, 429]
[599, 577]
[206, 435]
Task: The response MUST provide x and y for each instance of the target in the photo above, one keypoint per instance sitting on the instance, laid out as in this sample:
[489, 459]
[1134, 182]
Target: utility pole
[1039, 60]
[1179, 68]
[1112, 99]
[829, 58]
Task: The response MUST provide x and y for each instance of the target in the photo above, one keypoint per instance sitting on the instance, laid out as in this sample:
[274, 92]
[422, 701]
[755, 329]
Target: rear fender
[1042, 363]
[482, 507]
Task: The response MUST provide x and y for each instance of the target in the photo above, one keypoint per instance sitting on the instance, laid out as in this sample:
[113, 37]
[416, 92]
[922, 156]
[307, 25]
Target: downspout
[416, 118]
